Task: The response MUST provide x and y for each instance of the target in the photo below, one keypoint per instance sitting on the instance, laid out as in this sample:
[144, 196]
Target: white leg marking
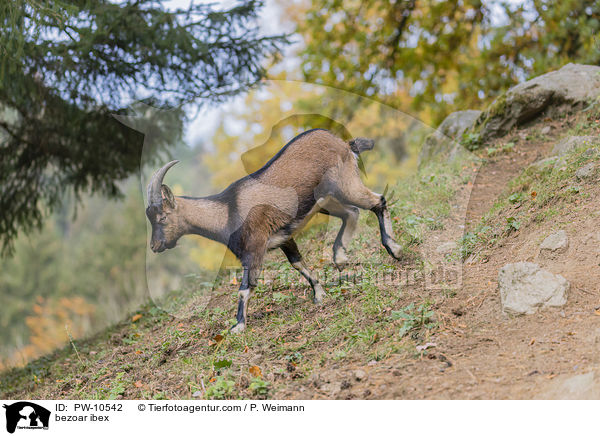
[340, 258]
[392, 244]
[243, 297]
[319, 294]
[238, 328]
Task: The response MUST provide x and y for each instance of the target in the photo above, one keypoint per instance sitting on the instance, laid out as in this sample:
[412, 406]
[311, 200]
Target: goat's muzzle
[158, 246]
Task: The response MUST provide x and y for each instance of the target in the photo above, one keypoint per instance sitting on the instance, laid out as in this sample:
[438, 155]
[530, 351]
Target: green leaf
[516, 197]
[513, 223]
[222, 364]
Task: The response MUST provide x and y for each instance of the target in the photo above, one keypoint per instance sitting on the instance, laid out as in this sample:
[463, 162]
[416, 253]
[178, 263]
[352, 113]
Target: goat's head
[162, 212]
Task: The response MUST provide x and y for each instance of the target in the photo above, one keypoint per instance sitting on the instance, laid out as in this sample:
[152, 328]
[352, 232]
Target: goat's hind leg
[349, 216]
[290, 250]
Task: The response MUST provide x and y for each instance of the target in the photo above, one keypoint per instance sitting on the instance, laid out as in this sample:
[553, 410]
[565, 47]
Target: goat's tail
[358, 145]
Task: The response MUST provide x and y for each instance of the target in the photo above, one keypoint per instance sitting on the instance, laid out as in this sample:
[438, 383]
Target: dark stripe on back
[280, 152]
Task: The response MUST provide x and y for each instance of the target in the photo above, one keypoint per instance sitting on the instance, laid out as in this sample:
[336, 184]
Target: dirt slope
[351, 346]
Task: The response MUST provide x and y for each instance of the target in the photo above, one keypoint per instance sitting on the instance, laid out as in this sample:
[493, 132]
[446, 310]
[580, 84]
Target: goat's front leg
[385, 228]
[365, 199]
[293, 254]
[252, 266]
[242, 310]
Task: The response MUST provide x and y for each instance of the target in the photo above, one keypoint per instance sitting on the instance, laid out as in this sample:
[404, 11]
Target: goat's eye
[162, 219]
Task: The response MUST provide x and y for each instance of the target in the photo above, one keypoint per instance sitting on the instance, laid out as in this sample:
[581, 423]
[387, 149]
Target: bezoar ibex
[316, 172]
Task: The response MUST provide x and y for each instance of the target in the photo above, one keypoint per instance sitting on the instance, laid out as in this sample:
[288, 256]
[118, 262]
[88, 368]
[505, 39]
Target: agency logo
[26, 415]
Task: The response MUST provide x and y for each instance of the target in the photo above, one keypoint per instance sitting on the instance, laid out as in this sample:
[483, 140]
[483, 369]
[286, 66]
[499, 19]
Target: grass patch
[539, 193]
[189, 353]
[425, 199]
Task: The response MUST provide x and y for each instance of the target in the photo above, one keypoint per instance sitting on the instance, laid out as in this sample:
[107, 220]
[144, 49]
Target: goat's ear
[168, 197]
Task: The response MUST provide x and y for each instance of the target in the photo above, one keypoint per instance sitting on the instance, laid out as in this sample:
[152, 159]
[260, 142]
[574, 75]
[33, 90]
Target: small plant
[413, 227]
[220, 364]
[517, 197]
[449, 293]
[259, 388]
[295, 357]
[471, 141]
[508, 147]
[467, 244]
[512, 224]
[118, 387]
[492, 151]
[131, 339]
[220, 389]
[415, 318]
[280, 297]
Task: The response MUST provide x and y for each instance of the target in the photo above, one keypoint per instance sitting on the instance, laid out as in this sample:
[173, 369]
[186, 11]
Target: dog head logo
[26, 415]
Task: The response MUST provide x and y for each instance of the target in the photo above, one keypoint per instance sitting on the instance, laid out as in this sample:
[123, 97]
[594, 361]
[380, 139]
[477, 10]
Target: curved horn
[154, 195]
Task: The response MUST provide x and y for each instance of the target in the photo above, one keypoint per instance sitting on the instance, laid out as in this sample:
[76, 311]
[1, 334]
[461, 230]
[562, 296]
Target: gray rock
[455, 124]
[446, 247]
[256, 359]
[555, 243]
[570, 143]
[546, 130]
[544, 163]
[314, 380]
[572, 87]
[567, 387]
[525, 287]
[359, 374]
[332, 388]
[445, 139]
[590, 152]
[585, 171]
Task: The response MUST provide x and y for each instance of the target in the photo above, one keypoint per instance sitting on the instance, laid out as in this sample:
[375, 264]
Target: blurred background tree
[85, 272]
[433, 57]
[67, 65]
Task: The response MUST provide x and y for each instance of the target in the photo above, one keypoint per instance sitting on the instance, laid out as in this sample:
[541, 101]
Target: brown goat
[316, 172]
